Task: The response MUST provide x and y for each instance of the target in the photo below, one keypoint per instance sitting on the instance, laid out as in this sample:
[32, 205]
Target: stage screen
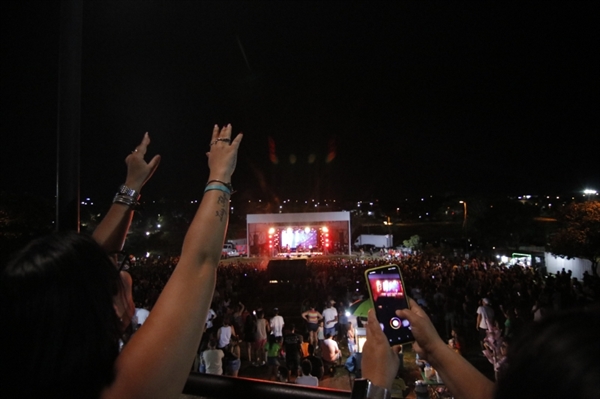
[294, 238]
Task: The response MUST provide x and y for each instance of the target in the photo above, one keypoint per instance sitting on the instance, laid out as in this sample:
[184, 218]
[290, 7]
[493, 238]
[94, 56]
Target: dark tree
[579, 233]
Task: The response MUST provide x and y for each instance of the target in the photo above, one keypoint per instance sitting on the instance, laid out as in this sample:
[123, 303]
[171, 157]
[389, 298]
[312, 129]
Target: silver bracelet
[125, 199]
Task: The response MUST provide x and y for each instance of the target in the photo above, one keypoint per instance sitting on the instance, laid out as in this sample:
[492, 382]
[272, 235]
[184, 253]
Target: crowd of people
[475, 304]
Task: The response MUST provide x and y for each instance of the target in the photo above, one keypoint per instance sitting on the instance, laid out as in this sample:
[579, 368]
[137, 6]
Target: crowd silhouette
[450, 290]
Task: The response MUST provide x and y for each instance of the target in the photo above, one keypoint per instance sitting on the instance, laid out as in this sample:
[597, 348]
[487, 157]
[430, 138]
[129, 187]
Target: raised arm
[157, 360]
[113, 228]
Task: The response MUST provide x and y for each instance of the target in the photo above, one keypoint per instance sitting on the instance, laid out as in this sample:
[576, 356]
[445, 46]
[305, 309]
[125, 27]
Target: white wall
[576, 265]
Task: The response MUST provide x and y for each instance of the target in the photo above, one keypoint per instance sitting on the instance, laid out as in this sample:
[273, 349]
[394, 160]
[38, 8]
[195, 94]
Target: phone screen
[387, 292]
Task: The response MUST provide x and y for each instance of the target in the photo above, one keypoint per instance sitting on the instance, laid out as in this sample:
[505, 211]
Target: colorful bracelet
[225, 189]
[228, 185]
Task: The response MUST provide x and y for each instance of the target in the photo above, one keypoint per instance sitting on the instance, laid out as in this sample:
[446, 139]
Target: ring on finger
[225, 139]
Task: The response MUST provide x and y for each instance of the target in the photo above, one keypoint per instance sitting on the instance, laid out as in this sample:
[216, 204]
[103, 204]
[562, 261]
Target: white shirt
[141, 315]
[487, 317]
[277, 326]
[210, 317]
[213, 360]
[308, 380]
[329, 316]
[224, 336]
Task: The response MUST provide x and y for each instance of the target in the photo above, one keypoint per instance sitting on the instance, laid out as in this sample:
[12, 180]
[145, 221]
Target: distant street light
[464, 212]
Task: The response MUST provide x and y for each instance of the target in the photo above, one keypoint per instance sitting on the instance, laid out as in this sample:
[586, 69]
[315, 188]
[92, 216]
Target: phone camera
[395, 323]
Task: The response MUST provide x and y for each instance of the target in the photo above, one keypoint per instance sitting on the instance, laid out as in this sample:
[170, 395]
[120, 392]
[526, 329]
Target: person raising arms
[67, 304]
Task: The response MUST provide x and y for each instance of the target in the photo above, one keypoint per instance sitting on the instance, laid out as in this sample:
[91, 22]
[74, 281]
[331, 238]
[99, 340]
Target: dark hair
[306, 366]
[60, 330]
[561, 347]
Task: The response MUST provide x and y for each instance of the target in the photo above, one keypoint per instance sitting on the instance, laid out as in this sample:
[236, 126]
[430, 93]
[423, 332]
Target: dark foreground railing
[218, 386]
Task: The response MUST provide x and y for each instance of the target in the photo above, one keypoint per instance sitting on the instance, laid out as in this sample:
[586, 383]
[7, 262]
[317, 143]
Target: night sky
[359, 100]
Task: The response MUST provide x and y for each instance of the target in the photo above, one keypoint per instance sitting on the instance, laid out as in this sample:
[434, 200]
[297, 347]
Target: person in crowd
[342, 324]
[305, 377]
[292, 343]
[277, 324]
[209, 330]
[330, 351]
[262, 332]
[456, 342]
[273, 348]
[320, 334]
[68, 304]
[304, 345]
[485, 319]
[312, 317]
[330, 318]
[237, 318]
[250, 334]
[225, 332]
[351, 335]
[553, 349]
[231, 359]
[511, 324]
[317, 364]
[212, 358]
[210, 318]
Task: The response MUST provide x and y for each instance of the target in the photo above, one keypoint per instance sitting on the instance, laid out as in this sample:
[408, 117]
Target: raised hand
[138, 170]
[379, 361]
[222, 156]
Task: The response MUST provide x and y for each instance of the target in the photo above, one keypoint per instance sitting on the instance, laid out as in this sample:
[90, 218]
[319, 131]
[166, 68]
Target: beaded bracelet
[225, 189]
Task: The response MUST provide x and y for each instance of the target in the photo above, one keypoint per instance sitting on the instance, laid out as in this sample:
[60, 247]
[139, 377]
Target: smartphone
[387, 291]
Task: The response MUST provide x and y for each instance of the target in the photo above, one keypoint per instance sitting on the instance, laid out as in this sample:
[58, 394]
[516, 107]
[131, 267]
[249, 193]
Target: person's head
[212, 343]
[328, 335]
[67, 306]
[561, 347]
[306, 367]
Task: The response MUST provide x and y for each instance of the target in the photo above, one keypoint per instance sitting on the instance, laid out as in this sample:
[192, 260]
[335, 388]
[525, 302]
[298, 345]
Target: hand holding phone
[387, 291]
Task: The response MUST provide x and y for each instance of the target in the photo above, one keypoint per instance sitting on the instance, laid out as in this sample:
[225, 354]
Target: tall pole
[69, 116]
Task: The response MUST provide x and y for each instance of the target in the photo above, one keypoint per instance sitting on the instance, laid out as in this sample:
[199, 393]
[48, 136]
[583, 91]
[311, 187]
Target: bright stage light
[272, 230]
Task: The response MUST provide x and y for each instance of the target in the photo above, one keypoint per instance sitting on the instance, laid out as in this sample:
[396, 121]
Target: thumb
[153, 164]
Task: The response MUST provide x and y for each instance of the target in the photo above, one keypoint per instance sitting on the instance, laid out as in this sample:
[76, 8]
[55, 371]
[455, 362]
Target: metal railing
[218, 386]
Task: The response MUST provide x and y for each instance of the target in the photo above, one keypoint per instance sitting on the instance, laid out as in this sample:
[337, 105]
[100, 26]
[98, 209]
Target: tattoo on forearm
[222, 200]
[220, 214]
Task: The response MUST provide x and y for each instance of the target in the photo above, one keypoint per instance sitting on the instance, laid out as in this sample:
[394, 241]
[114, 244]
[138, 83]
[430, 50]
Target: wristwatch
[364, 389]
[130, 192]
